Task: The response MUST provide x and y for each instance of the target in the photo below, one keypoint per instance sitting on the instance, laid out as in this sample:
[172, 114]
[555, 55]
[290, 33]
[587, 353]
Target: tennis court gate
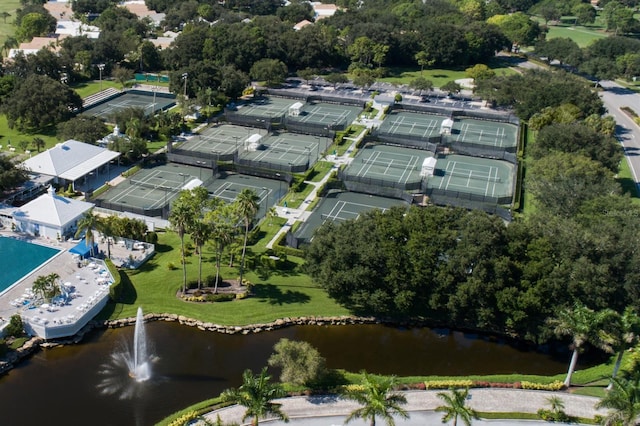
[249, 120]
[470, 202]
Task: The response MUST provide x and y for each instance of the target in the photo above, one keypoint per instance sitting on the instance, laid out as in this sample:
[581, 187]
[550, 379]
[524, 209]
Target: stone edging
[35, 343]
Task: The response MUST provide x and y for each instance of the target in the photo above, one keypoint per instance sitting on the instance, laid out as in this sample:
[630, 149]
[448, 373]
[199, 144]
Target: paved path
[486, 400]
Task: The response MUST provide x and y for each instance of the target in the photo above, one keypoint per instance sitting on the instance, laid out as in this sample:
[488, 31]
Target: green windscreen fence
[141, 77]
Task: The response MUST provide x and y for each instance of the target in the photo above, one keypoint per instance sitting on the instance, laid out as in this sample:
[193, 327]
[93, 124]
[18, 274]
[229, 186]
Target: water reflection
[65, 383]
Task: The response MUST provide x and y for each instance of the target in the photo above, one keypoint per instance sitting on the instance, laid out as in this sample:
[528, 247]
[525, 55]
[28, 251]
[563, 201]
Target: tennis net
[154, 186]
[290, 150]
[389, 163]
[472, 174]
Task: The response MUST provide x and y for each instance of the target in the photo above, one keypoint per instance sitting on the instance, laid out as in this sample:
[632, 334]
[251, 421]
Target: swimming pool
[19, 258]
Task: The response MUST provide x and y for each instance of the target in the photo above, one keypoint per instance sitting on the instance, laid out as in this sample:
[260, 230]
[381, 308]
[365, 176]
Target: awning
[82, 250]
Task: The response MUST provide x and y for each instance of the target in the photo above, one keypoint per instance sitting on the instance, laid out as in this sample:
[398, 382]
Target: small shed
[446, 126]
[295, 109]
[192, 184]
[252, 143]
[428, 167]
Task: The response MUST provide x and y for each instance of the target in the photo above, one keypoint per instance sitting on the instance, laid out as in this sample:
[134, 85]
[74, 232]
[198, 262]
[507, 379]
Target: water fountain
[129, 367]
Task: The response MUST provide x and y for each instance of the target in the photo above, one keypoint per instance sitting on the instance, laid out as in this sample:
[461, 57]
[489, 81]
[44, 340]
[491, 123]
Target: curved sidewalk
[481, 399]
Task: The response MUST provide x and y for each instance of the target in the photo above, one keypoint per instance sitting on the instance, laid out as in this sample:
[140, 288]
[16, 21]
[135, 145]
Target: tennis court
[479, 176]
[489, 133]
[269, 191]
[342, 206]
[151, 190]
[132, 99]
[267, 108]
[411, 124]
[285, 149]
[388, 163]
[327, 114]
[223, 139]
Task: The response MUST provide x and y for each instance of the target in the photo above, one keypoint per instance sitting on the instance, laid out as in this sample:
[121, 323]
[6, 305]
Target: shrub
[115, 289]
[242, 295]
[171, 266]
[195, 299]
[15, 327]
[184, 419]
[554, 386]
[553, 416]
[151, 238]
[220, 297]
[447, 384]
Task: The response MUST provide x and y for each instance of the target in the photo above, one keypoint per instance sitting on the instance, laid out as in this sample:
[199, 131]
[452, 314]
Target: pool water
[19, 258]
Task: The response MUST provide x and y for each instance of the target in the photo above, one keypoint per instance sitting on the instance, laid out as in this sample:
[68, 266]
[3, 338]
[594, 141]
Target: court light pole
[100, 69]
[185, 76]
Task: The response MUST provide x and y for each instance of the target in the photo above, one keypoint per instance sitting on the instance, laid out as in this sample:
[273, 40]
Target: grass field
[13, 136]
[287, 293]
[6, 28]
[583, 36]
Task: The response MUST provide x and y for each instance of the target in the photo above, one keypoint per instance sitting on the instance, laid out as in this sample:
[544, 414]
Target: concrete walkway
[483, 399]
[301, 213]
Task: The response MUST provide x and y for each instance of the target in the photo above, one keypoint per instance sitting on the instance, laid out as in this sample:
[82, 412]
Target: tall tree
[623, 401]
[181, 218]
[247, 206]
[582, 325]
[299, 362]
[256, 394]
[455, 406]
[377, 397]
[222, 219]
[628, 335]
[200, 232]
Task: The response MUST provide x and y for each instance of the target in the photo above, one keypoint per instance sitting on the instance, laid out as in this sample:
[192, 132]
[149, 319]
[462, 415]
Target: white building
[77, 28]
[71, 162]
[50, 215]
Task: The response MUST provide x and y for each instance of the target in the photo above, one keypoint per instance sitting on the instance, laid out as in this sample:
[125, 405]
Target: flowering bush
[554, 386]
[184, 419]
[446, 384]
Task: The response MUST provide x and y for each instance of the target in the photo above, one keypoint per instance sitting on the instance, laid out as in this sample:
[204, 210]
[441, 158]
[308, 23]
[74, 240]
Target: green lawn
[288, 293]
[6, 28]
[627, 182]
[87, 88]
[439, 77]
[583, 36]
[14, 137]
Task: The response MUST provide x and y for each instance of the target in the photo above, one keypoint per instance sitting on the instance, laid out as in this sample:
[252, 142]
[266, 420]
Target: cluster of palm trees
[206, 220]
[109, 226]
[376, 396]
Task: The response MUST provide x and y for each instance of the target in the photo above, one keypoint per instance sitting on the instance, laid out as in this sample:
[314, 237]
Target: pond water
[62, 385]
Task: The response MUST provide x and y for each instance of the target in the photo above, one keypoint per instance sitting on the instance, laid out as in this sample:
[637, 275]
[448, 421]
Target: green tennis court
[342, 206]
[228, 186]
[221, 139]
[287, 149]
[479, 176]
[411, 124]
[389, 163]
[489, 133]
[132, 99]
[266, 107]
[327, 114]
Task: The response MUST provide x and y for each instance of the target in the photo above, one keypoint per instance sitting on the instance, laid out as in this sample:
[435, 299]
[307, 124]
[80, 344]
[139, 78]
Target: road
[628, 133]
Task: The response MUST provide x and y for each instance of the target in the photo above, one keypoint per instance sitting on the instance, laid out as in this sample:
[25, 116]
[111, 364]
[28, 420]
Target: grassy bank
[7, 29]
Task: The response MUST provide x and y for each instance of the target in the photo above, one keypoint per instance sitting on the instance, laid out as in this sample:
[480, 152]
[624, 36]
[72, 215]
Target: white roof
[297, 105]
[70, 160]
[51, 209]
[447, 122]
[192, 184]
[429, 163]
[254, 138]
[76, 28]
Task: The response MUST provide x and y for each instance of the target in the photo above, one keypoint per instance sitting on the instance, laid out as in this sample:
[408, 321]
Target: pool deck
[88, 286]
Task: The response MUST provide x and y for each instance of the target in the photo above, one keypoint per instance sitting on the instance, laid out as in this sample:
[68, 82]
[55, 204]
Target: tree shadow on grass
[275, 296]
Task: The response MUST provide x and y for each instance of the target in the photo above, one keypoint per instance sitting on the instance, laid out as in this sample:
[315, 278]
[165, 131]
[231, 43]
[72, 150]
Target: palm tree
[87, 224]
[247, 205]
[221, 219]
[455, 407]
[180, 218]
[582, 325]
[9, 44]
[200, 233]
[628, 325]
[624, 401]
[256, 394]
[45, 286]
[377, 399]
[38, 143]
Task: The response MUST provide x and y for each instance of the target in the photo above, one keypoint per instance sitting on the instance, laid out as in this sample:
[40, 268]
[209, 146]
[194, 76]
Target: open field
[583, 36]
[6, 28]
[14, 137]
